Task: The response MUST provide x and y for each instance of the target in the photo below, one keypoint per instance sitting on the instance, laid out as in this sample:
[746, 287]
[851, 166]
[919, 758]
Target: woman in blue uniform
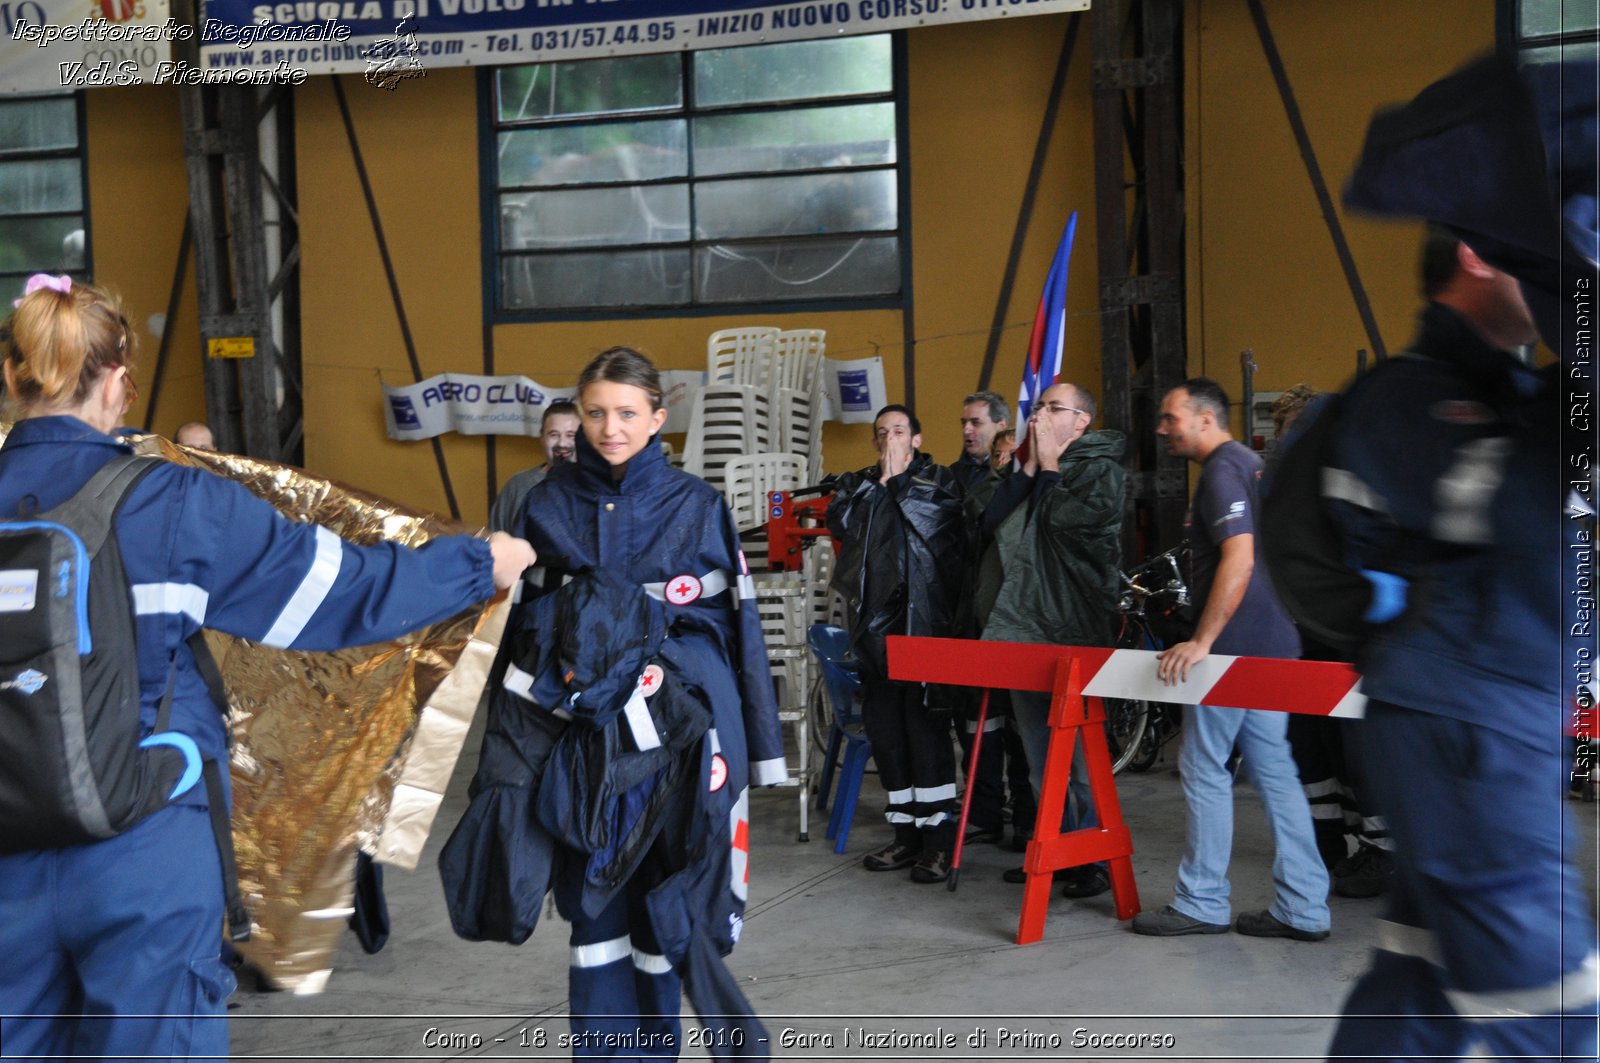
[622, 508]
[111, 949]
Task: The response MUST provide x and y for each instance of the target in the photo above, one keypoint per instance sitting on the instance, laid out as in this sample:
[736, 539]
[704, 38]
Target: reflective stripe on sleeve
[602, 952]
[768, 772]
[185, 598]
[1345, 486]
[311, 593]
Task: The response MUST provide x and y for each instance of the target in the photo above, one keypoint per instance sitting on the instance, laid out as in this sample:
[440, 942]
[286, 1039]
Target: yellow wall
[1262, 271]
[138, 195]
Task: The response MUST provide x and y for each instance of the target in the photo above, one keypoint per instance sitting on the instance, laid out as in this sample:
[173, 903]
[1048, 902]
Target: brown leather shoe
[892, 857]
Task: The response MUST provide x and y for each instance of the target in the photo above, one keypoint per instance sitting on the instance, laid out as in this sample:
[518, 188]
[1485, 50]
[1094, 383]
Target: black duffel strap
[238, 915]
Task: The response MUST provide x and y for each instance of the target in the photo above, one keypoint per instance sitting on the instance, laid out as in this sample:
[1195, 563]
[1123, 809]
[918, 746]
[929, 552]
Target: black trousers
[916, 761]
[1001, 763]
[1327, 752]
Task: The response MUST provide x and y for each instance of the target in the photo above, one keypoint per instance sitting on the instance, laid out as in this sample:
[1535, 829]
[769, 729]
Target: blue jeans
[1209, 735]
[1030, 709]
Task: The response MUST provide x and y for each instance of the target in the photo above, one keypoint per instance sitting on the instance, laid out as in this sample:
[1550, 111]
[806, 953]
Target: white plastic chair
[797, 358]
[741, 356]
[749, 478]
[726, 421]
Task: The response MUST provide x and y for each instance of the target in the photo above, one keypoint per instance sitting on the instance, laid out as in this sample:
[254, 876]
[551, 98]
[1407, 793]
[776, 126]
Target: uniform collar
[59, 428]
[595, 469]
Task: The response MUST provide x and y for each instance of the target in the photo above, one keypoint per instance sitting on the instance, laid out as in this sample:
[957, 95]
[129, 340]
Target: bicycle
[1153, 594]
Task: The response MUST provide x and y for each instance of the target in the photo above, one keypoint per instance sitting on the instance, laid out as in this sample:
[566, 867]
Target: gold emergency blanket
[336, 751]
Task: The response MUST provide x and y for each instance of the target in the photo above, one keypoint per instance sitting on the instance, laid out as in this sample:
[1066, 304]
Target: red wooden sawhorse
[1059, 671]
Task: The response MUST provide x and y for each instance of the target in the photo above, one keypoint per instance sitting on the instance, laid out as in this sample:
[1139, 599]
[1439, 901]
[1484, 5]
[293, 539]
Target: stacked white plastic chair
[755, 428]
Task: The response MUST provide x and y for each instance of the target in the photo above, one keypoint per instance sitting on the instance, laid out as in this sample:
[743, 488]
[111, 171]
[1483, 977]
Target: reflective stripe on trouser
[1489, 941]
[129, 928]
[916, 760]
[625, 996]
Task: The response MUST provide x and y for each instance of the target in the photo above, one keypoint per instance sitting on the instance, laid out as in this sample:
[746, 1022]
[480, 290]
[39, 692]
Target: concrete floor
[829, 947]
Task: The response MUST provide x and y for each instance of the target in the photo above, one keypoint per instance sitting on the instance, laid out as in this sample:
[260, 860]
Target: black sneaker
[1366, 873]
[1088, 881]
[985, 835]
[1018, 876]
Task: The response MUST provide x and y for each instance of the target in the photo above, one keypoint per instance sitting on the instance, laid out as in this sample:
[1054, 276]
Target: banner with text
[514, 405]
[504, 405]
[51, 45]
[391, 40]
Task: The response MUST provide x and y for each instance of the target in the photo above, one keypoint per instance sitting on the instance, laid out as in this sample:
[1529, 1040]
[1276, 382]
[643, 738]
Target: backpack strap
[93, 510]
[92, 513]
[222, 828]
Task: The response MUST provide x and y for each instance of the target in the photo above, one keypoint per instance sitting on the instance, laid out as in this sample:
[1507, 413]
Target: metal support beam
[1138, 138]
[246, 251]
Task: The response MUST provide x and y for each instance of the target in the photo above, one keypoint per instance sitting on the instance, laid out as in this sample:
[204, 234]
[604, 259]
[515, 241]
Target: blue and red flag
[1043, 365]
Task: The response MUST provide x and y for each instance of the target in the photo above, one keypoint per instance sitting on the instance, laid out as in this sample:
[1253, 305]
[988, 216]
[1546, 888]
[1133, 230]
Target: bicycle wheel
[1144, 754]
[819, 715]
[1126, 721]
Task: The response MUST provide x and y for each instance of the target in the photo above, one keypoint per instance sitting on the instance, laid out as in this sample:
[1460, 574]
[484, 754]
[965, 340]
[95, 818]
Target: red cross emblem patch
[681, 590]
[650, 681]
[719, 772]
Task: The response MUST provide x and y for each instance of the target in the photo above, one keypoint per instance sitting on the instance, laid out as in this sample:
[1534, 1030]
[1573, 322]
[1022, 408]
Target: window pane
[1570, 52]
[798, 70]
[43, 185]
[589, 87]
[809, 269]
[621, 151]
[582, 281]
[813, 138]
[41, 243]
[38, 125]
[1551, 18]
[782, 206]
[647, 214]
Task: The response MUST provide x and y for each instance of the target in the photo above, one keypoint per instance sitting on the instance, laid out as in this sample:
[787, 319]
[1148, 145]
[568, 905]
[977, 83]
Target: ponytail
[60, 339]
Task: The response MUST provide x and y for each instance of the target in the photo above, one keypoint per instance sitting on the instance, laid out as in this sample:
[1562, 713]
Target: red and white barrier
[1313, 688]
[1078, 677]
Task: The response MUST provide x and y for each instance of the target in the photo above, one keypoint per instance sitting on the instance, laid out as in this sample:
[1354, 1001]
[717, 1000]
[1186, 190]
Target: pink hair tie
[62, 284]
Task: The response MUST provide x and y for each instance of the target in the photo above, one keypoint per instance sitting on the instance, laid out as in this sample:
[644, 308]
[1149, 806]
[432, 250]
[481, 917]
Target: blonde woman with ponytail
[110, 948]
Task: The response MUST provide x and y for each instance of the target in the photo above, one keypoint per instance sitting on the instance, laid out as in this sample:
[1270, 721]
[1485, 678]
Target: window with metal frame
[44, 201]
[726, 177]
[1552, 31]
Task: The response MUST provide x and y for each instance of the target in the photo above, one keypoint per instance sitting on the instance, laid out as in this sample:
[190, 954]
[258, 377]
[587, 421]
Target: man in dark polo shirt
[1238, 614]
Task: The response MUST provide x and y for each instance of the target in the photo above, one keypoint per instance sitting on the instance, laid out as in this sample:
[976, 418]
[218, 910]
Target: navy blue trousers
[1488, 940]
[625, 995]
[93, 935]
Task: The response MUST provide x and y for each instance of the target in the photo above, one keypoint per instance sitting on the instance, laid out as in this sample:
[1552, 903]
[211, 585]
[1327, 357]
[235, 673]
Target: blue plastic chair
[831, 647]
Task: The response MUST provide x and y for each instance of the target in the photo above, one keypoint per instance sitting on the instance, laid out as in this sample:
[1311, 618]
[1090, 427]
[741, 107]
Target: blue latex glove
[1388, 596]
